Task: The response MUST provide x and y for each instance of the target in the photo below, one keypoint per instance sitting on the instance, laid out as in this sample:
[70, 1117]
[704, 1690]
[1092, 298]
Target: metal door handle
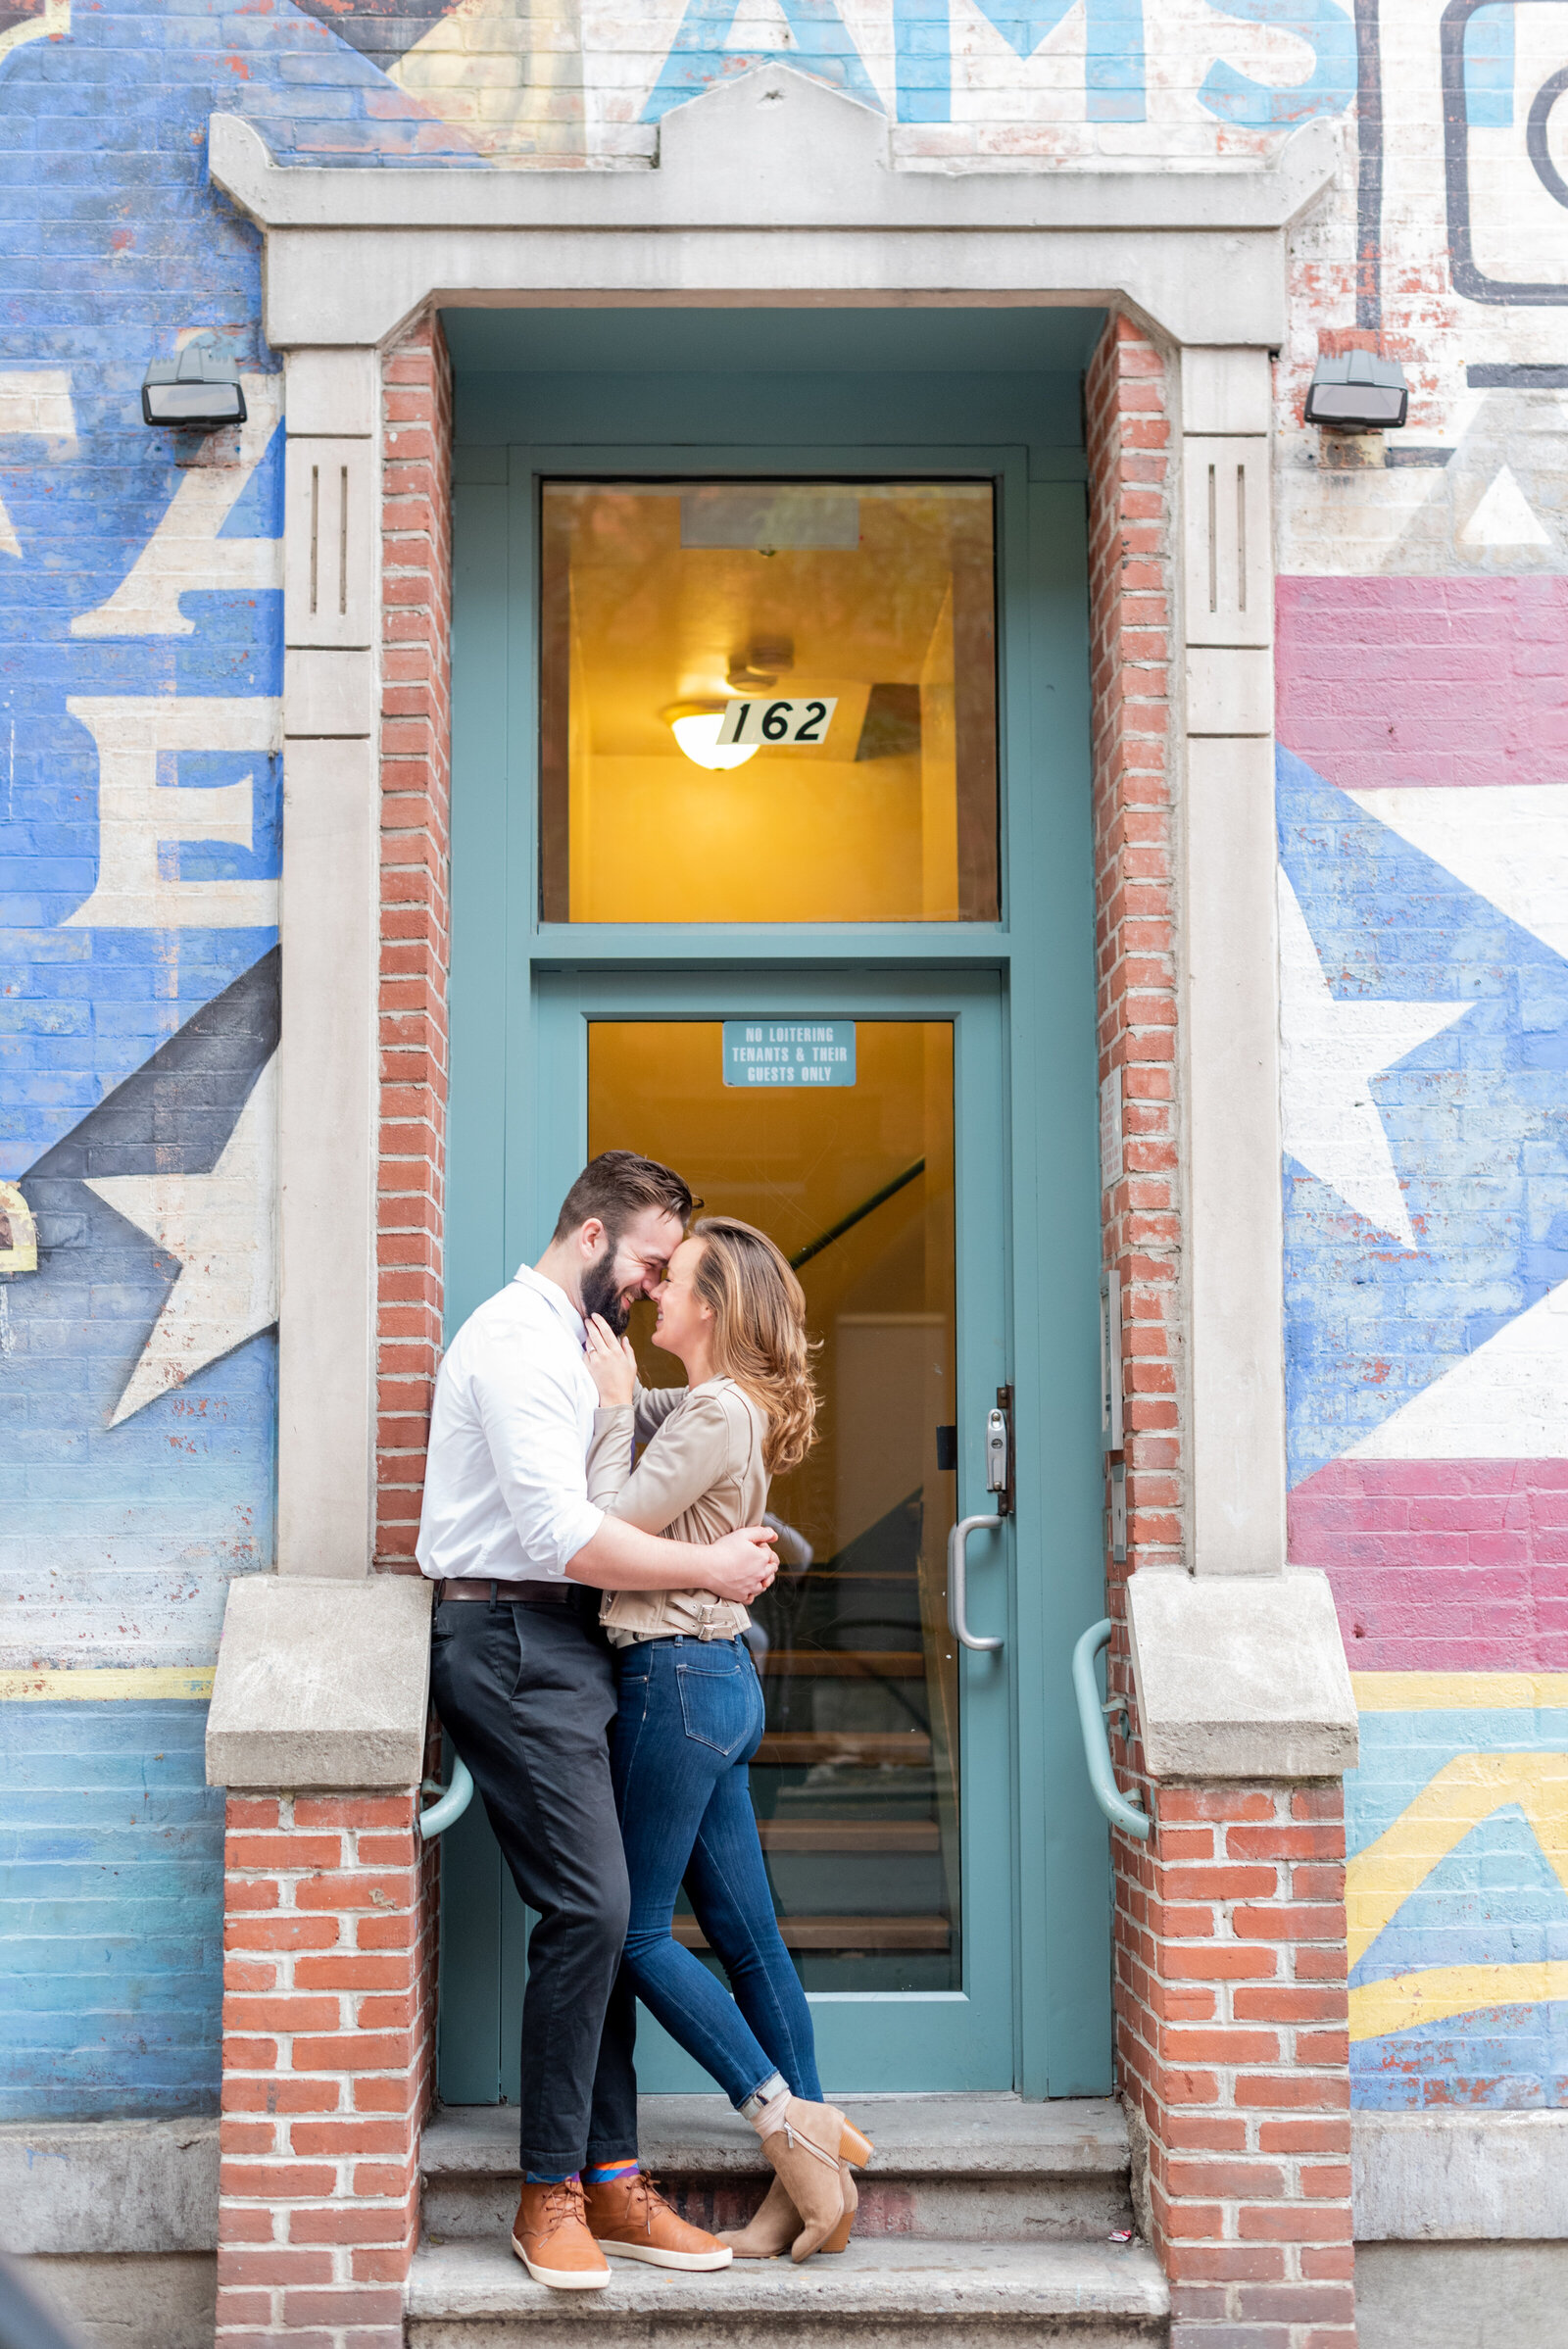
[958, 1565]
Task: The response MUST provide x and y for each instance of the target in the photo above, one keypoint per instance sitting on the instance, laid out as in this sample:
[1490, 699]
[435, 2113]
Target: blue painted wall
[111, 1911]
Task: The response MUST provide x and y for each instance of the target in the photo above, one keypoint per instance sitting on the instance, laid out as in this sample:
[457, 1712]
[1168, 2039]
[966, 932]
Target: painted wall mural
[1424, 951]
[1423, 806]
[510, 81]
[139, 809]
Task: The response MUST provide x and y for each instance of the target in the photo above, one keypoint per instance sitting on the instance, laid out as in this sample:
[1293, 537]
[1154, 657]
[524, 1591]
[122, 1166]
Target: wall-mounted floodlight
[197, 392]
[1358, 393]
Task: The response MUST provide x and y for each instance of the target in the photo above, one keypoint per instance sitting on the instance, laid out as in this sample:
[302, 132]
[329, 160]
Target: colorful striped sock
[607, 2173]
[549, 2178]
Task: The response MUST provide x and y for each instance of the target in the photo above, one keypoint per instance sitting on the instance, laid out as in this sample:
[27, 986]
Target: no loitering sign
[789, 1055]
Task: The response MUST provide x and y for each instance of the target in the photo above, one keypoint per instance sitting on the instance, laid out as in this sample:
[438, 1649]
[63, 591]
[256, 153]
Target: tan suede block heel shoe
[805, 2154]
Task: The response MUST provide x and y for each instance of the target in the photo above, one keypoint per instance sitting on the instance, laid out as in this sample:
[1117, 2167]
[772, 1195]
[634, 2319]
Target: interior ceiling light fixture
[695, 726]
[760, 665]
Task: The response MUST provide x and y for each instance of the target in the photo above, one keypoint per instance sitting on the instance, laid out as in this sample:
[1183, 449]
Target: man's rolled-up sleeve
[536, 1444]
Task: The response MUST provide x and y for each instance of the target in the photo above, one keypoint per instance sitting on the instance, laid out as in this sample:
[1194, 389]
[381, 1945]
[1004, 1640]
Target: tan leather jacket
[701, 1477]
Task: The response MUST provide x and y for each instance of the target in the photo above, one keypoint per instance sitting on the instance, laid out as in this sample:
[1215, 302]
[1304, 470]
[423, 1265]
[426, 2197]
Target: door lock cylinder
[999, 1451]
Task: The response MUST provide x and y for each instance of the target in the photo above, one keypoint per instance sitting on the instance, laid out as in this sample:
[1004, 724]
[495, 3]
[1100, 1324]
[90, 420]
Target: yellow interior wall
[776, 840]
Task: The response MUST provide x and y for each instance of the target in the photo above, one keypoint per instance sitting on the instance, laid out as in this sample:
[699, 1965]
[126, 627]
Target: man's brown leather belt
[549, 1594]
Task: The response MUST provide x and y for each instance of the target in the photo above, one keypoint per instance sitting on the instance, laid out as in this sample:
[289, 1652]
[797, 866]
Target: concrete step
[960, 2169]
[885, 2292]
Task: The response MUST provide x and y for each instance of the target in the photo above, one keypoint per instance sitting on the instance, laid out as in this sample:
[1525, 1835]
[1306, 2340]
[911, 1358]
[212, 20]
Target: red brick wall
[415, 839]
[328, 2040]
[1233, 2047]
[1130, 635]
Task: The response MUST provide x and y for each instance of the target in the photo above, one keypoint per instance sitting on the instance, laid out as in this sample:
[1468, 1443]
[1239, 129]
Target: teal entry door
[772, 858]
[858, 1125]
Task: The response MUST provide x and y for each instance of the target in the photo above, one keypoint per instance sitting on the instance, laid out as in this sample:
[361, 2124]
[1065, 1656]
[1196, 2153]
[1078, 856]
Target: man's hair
[617, 1185]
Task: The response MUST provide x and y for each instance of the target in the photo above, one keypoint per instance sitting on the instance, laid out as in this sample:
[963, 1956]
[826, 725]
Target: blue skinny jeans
[688, 1721]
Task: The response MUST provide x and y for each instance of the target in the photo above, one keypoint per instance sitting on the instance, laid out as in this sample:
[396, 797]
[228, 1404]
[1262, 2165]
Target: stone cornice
[767, 185]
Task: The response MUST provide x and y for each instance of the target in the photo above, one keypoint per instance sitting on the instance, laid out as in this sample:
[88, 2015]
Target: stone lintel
[733, 156]
[777, 184]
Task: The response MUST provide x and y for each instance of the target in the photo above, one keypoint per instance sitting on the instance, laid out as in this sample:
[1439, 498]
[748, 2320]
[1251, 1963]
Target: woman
[691, 1709]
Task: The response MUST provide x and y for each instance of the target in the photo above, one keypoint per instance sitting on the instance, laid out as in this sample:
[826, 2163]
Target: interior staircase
[983, 2220]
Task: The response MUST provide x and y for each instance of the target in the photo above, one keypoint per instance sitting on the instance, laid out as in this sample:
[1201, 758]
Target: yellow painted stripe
[1453, 1800]
[1439, 1991]
[90, 1682]
[1458, 1692]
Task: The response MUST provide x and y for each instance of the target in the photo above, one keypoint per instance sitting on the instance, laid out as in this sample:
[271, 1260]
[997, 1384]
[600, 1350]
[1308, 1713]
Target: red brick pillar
[1233, 2041]
[328, 2067]
[415, 917]
[1126, 404]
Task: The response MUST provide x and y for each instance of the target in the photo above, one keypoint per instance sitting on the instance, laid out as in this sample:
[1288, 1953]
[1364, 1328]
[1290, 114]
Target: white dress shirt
[506, 1491]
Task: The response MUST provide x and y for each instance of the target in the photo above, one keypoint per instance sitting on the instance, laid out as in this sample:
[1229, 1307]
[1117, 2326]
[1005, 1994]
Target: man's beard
[601, 1295]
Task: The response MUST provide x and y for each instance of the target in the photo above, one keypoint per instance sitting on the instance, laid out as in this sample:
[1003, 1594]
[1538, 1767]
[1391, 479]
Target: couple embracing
[588, 1666]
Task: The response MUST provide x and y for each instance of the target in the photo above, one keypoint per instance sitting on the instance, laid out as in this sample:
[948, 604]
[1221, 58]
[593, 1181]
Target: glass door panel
[859, 1123]
[857, 1780]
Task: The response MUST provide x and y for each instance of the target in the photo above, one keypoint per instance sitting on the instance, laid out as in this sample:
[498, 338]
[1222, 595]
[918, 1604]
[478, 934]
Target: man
[524, 1684]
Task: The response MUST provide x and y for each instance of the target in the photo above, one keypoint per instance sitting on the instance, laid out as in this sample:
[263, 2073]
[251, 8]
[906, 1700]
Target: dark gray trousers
[527, 1693]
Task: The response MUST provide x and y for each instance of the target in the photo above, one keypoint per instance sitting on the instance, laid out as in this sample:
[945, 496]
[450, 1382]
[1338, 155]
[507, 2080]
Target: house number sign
[794, 722]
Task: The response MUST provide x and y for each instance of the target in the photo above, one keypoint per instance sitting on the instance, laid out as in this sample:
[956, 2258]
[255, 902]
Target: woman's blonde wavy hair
[759, 1340]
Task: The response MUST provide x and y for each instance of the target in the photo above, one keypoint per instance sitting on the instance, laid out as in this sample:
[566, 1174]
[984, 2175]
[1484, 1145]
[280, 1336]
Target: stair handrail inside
[847, 1223]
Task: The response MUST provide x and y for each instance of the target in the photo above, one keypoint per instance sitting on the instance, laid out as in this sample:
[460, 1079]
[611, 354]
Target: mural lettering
[143, 815]
[189, 551]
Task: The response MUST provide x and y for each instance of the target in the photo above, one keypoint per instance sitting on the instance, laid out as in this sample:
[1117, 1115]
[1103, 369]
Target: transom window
[768, 702]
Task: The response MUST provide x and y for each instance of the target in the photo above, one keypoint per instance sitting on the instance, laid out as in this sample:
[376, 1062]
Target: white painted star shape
[1332, 1050]
[221, 1226]
[1508, 1401]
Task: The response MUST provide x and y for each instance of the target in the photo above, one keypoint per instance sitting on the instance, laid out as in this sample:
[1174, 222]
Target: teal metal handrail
[454, 1799]
[1130, 1817]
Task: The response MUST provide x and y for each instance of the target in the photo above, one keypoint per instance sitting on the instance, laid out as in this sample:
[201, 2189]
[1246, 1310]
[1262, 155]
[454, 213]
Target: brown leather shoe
[550, 2235]
[630, 2217]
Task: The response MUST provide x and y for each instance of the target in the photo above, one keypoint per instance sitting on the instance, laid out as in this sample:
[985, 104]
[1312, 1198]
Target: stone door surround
[773, 188]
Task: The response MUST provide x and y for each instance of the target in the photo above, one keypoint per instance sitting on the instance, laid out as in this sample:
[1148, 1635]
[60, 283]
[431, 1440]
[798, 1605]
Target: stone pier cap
[1241, 1677]
[322, 1684]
